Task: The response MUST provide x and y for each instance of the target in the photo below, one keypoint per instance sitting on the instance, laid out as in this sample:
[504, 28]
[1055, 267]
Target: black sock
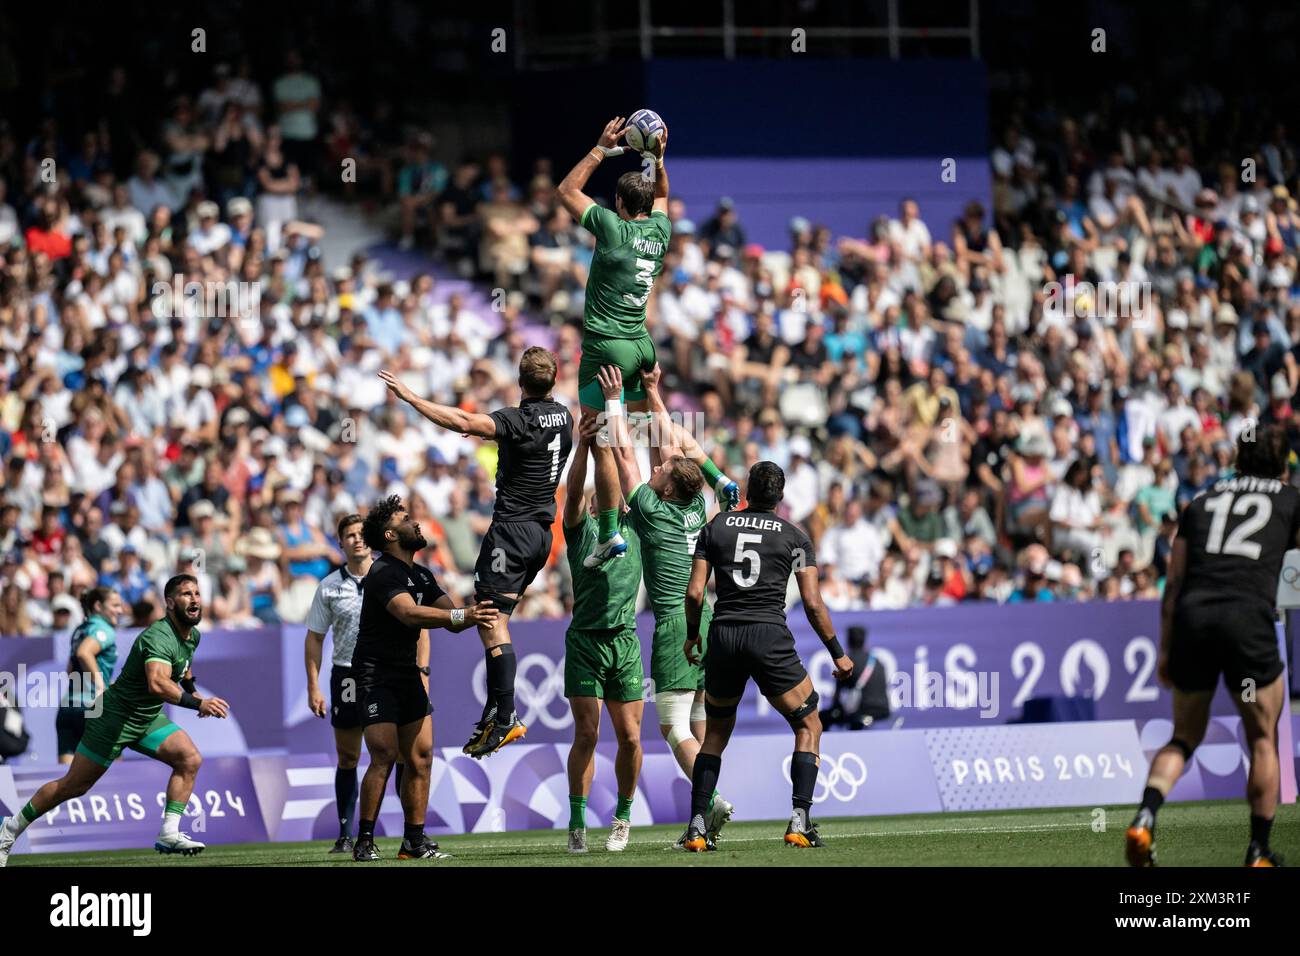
[413, 834]
[366, 830]
[345, 796]
[493, 681]
[803, 779]
[397, 778]
[505, 681]
[704, 780]
[1260, 828]
[1152, 799]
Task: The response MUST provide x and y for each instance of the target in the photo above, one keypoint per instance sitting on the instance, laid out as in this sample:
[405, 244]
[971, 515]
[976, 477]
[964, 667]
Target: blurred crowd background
[1009, 407]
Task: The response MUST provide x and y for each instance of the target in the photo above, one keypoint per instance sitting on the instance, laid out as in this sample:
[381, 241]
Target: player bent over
[157, 671]
[631, 240]
[534, 441]
[754, 553]
[1217, 617]
[602, 656]
[667, 514]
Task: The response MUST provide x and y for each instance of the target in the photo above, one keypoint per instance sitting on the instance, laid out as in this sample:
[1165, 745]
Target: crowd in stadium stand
[1010, 407]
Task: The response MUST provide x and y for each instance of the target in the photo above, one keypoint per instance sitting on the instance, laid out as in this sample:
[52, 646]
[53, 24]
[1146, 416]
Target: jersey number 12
[1260, 509]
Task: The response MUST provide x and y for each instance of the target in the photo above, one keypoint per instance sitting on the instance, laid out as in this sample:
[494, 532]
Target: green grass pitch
[1189, 834]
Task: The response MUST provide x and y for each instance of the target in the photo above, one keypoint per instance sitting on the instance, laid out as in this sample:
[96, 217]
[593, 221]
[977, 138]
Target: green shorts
[630, 355]
[669, 668]
[109, 734]
[604, 664]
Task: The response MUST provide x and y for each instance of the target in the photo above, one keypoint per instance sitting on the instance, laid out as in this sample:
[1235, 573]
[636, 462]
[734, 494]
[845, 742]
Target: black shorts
[1236, 639]
[390, 695]
[344, 712]
[69, 725]
[512, 554]
[737, 652]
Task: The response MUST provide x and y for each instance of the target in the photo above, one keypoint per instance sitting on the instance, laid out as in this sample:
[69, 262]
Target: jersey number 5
[752, 559]
[1260, 508]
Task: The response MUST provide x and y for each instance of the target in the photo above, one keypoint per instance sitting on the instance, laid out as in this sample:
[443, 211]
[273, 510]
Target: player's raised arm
[444, 614]
[661, 174]
[445, 416]
[610, 378]
[158, 676]
[668, 438]
[814, 608]
[570, 189]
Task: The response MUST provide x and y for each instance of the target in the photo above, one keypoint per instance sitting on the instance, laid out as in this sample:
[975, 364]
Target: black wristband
[188, 701]
[187, 684]
[833, 646]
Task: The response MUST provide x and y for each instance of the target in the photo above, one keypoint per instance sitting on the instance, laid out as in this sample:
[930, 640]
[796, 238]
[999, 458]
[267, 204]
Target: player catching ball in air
[156, 672]
[631, 240]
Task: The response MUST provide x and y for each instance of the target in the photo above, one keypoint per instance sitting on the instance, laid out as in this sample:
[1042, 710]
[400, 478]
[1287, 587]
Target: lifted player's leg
[1259, 719]
[171, 745]
[609, 496]
[625, 715]
[500, 724]
[720, 721]
[582, 766]
[799, 707]
[1191, 715]
[81, 775]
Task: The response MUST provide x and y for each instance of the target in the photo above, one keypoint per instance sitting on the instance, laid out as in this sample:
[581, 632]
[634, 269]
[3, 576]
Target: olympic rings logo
[839, 777]
[534, 699]
[1291, 575]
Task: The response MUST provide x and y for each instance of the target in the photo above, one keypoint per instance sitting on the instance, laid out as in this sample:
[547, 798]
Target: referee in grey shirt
[337, 607]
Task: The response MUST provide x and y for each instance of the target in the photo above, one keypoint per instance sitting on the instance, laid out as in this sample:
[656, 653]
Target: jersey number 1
[554, 449]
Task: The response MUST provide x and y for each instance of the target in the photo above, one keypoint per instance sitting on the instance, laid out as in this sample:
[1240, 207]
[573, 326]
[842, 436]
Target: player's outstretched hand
[610, 378]
[843, 668]
[481, 613]
[316, 701]
[213, 707]
[396, 386]
[661, 146]
[612, 133]
[650, 377]
[692, 650]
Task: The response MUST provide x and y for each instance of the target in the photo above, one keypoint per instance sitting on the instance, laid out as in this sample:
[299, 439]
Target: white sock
[171, 824]
[17, 823]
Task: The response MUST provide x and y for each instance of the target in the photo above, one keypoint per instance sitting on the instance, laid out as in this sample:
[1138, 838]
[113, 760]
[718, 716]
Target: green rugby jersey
[157, 642]
[98, 628]
[668, 530]
[629, 256]
[604, 597]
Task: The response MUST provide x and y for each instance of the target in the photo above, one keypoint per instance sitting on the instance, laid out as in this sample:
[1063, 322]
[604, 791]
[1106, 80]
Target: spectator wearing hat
[131, 580]
[260, 550]
[1028, 492]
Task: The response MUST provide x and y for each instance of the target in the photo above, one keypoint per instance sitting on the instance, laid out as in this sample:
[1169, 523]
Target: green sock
[711, 472]
[176, 807]
[607, 524]
[577, 813]
[30, 813]
[624, 810]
